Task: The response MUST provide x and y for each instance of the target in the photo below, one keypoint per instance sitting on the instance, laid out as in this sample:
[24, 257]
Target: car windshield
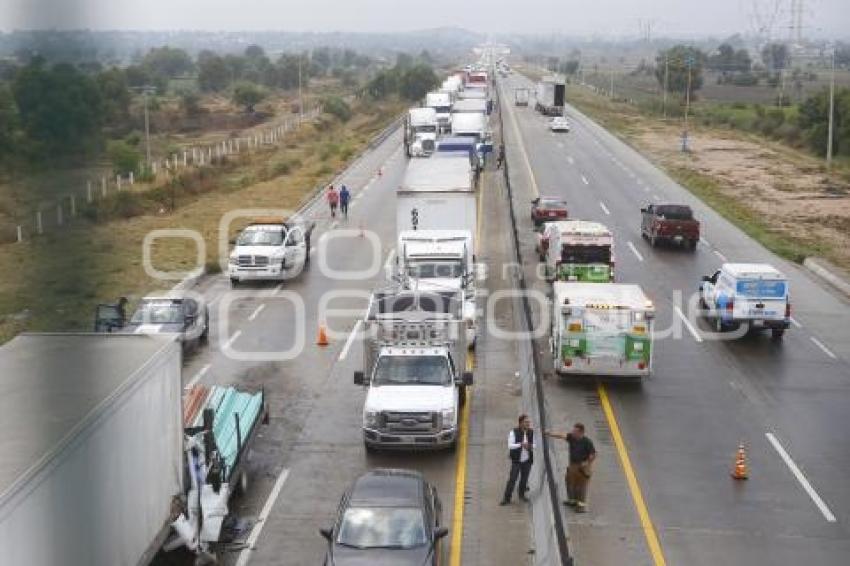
[551, 203]
[586, 254]
[382, 527]
[412, 370]
[158, 313]
[268, 237]
[435, 269]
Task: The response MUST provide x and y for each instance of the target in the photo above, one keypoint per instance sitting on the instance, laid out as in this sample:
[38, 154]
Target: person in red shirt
[333, 199]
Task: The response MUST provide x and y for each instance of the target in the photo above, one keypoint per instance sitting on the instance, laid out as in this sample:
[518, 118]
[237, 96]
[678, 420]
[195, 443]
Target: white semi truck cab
[441, 102]
[414, 360]
[420, 131]
[270, 250]
[441, 260]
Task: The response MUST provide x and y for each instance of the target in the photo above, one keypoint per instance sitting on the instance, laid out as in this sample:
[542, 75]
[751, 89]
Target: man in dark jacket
[521, 454]
[582, 455]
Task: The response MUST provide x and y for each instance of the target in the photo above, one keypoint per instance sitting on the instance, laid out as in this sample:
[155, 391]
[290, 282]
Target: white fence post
[103, 186]
[153, 168]
[59, 214]
[88, 191]
[237, 145]
[118, 181]
[39, 225]
[185, 162]
[20, 234]
[73, 206]
[132, 179]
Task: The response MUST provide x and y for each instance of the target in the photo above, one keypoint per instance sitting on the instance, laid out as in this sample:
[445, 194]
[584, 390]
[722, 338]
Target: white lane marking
[313, 250]
[232, 339]
[251, 543]
[570, 159]
[820, 345]
[388, 263]
[634, 251]
[656, 197]
[604, 208]
[720, 255]
[705, 242]
[807, 487]
[561, 144]
[688, 324]
[639, 181]
[646, 189]
[198, 376]
[350, 341]
[257, 311]
[795, 323]
[584, 180]
[335, 224]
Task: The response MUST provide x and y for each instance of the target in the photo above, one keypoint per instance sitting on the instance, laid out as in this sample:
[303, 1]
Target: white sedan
[559, 124]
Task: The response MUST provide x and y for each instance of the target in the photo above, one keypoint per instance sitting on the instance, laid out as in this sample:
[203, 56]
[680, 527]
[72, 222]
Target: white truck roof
[53, 385]
[434, 235]
[752, 271]
[468, 122]
[581, 228]
[420, 116]
[438, 175]
[478, 105]
[616, 295]
[473, 94]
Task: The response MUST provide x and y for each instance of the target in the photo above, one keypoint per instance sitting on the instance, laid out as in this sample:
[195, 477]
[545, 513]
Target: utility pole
[147, 131]
[690, 61]
[300, 94]
[831, 113]
[611, 90]
[666, 77]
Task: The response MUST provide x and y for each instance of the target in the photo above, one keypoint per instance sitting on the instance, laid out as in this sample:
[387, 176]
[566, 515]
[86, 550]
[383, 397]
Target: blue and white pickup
[751, 294]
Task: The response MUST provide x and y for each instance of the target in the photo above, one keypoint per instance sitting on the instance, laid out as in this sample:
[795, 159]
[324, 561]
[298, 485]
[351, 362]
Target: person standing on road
[582, 455]
[344, 198]
[521, 454]
[501, 158]
[333, 199]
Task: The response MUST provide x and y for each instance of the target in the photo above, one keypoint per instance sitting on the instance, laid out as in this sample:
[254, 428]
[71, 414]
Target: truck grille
[253, 261]
[410, 423]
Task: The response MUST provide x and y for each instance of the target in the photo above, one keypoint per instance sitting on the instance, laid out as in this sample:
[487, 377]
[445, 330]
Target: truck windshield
[412, 370]
[672, 212]
[158, 313]
[760, 289]
[427, 129]
[435, 269]
[586, 254]
[260, 238]
[443, 109]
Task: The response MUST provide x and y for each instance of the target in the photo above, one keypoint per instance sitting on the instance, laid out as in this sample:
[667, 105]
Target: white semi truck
[414, 363]
[420, 132]
[551, 96]
[441, 101]
[601, 329]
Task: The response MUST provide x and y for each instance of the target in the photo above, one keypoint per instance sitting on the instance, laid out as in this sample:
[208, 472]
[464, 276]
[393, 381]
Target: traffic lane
[817, 307]
[660, 362]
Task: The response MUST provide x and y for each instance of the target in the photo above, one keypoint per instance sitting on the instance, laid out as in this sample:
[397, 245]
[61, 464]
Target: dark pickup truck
[669, 222]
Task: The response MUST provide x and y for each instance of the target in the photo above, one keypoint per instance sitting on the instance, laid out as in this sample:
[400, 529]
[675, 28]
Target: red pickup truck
[669, 222]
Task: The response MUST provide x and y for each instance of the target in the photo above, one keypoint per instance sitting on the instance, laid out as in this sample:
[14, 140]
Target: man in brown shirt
[582, 455]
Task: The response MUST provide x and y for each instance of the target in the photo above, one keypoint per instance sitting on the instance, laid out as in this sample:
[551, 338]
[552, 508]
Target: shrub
[124, 157]
[337, 107]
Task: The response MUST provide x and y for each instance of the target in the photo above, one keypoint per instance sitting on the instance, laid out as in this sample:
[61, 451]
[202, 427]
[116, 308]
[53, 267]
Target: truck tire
[241, 486]
[653, 241]
[719, 327]
[234, 283]
[692, 245]
[461, 395]
[369, 448]
[777, 333]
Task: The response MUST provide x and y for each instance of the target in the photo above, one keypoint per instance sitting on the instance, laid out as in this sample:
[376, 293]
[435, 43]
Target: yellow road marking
[460, 474]
[631, 478]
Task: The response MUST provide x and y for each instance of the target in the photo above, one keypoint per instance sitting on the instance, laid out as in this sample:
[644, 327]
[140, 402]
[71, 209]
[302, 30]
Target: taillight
[730, 306]
[787, 310]
[641, 365]
[568, 362]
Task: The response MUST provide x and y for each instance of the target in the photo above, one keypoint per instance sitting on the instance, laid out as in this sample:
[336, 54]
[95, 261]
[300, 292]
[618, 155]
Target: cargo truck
[601, 329]
[551, 95]
[441, 102]
[577, 250]
[420, 131]
[521, 97]
[91, 448]
[414, 359]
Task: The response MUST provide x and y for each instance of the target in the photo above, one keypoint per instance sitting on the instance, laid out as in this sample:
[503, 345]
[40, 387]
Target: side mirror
[467, 378]
[706, 278]
[359, 378]
[327, 533]
[643, 209]
[535, 201]
[440, 532]
[233, 242]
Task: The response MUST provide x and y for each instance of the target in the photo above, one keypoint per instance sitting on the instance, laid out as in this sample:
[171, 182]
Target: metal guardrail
[549, 528]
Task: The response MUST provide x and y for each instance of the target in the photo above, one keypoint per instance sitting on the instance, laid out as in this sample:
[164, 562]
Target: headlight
[370, 419]
[448, 418]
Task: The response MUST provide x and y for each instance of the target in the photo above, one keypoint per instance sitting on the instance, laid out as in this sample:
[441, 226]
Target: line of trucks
[420, 326]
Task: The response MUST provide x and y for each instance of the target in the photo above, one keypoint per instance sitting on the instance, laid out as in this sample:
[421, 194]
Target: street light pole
[687, 107]
[300, 94]
[831, 113]
[611, 90]
[666, 76]
[147, 130]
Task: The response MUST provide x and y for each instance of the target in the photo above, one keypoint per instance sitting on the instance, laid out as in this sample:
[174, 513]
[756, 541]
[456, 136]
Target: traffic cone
[739, 472]
[322, 340]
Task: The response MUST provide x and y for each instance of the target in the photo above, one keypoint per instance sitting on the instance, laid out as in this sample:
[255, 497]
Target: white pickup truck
[413, 365]
[751, 294]
[270, 250]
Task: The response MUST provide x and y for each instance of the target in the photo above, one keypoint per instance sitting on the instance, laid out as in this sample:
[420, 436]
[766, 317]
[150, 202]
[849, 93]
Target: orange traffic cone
[322, 340]
[739, 472]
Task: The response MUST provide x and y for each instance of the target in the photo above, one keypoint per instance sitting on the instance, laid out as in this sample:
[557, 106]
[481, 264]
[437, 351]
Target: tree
[248, 94]
[814, 121]
[336, 106]
[774, 56]
[568, 67]
[416, 81]
[116, 96]
[124, 157]
[190, 102]
[680, 59]
[9, 126]
[168, 61]
[60, 108]
[213, 74]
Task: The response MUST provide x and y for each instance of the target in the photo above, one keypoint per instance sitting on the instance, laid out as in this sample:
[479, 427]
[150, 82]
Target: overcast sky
[829, 18]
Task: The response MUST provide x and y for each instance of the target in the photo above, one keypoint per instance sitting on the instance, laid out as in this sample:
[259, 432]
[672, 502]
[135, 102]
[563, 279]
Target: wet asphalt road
[681, 427]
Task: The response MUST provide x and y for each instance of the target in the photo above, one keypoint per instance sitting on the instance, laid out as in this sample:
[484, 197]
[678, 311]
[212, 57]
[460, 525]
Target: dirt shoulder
[780, 196]
[55, 281]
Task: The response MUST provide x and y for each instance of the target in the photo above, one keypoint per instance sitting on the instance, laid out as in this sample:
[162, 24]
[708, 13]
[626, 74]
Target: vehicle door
[708, 290]
[295, 249]
[646, 219]
[192, 319]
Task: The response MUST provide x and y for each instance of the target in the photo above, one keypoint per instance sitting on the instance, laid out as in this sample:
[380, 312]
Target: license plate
[677, 238]
[758, 323]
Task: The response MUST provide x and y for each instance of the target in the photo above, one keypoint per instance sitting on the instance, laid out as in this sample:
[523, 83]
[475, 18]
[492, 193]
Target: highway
[312, 449]
[677, 432]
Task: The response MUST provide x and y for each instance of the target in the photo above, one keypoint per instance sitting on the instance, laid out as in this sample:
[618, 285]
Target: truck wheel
[777, 333]
[369, 448]
[692, 245]
[461, 395]
[719, 327]
[653, 241]
[234, 283]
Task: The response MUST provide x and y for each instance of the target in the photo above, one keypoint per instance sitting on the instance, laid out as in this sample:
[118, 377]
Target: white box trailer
[437, 194]
[91, 452]
[470, 105]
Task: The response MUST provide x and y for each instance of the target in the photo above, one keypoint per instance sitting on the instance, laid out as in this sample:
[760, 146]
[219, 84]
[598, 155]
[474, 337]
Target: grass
[54, 282]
